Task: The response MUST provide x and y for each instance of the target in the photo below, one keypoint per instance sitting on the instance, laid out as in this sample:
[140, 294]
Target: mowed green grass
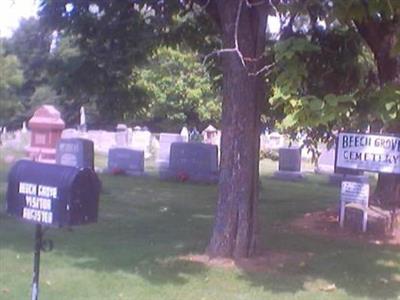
[145, 224]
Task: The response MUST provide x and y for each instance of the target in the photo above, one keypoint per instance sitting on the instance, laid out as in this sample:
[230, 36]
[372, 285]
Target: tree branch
[236, 48]
[236, 40]
[257, 3]
[262, 70]
[236, 33]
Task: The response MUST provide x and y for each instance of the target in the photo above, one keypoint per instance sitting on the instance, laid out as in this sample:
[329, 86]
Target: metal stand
[36, 262]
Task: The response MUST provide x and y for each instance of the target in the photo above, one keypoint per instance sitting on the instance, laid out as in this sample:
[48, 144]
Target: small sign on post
[364, 152]
[357, 193]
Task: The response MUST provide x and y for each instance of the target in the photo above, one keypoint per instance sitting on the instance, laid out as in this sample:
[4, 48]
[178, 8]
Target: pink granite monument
[46, 127]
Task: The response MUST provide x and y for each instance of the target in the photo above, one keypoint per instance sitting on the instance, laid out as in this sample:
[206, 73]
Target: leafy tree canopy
[180, 89]
[11, 78]
[327, 74]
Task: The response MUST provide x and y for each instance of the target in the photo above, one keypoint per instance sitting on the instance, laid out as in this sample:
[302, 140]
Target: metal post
[36, 262]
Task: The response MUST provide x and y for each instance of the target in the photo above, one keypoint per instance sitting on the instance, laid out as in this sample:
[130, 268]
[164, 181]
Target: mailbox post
[51, 195]
[36, 262]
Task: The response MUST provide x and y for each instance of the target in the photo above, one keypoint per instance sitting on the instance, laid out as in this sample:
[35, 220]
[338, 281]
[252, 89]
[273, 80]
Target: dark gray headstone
[75, 152]
[195, 162]
[289, 165]
[126, 161]
[290, 159]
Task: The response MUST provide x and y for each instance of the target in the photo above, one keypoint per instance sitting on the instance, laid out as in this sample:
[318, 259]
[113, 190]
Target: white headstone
[326, 161]
[166, 139]
[141, 140]
[103, 140]
[185, 134]
[274, 141]
[121, 136]
[211, 135]
[69, 133]
[82, 120]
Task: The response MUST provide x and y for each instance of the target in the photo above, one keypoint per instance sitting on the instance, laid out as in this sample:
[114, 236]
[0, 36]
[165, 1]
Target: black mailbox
[54, 195]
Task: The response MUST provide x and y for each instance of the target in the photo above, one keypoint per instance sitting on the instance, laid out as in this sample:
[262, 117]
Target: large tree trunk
[235, 232]
[381, 36]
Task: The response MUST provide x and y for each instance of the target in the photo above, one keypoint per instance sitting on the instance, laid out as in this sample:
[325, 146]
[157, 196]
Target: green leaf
[390, 105]
[316, 104]
[289, 121]
[331, 100]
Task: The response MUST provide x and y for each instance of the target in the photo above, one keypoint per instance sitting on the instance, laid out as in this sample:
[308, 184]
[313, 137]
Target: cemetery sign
[368, 152]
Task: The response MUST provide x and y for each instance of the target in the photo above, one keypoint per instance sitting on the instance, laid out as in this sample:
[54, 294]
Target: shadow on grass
[360, 270]
[144, 224]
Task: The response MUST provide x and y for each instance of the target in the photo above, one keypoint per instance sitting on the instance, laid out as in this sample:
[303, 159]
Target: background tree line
[119, 73]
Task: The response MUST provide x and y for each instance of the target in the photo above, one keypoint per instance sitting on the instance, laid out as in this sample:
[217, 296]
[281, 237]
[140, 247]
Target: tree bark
[235, 232]
[381, 36]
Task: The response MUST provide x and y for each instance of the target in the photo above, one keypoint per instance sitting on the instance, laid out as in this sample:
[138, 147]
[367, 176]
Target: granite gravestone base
[289, 165]
[125, 161]
[194, 162]
[75, 152]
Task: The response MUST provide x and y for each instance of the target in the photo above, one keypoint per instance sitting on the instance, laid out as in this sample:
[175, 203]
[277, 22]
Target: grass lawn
[145, 224]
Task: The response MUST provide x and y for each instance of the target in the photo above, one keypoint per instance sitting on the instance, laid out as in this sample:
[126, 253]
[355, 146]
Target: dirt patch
[326, 223]
[321, 223]
[269, 261]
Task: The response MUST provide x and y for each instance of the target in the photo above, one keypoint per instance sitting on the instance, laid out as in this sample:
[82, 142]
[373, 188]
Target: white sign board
[354, 192]
[368, 152]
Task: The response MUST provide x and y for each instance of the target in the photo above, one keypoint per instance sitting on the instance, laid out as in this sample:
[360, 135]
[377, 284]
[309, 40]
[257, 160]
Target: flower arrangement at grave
[182, 176]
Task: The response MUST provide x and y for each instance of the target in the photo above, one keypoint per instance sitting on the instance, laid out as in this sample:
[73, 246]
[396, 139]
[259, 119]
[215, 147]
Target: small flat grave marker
[354, 193]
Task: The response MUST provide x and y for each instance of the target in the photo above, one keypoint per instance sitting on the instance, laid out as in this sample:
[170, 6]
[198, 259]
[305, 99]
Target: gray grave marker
[75, 152]
[289, 164]
[195, 162]
[290, 159]
[126, 161]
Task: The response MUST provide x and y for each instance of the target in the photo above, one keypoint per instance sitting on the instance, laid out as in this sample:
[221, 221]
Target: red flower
[182, 176]
[117, 171]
